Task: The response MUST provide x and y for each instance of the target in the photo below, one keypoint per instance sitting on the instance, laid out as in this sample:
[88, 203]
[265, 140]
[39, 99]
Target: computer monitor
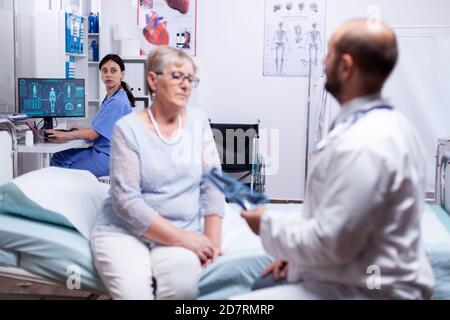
[52, 98]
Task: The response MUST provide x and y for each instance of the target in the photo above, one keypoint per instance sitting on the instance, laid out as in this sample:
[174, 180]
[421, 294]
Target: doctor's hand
[278, 269]
[253, 218]
[58, 136]
[199, 244]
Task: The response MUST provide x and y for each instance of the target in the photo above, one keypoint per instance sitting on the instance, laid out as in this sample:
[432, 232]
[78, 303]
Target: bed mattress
[53, 252]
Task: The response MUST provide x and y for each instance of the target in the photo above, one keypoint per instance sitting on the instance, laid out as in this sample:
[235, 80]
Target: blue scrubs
[96, 158]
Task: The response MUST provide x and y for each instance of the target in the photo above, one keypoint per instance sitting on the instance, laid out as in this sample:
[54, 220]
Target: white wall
[40, 40]
[40, 49]
[395, 12]
[419, 85]
[7, 79]
[114, 12]
[230, 56]
[230, 49]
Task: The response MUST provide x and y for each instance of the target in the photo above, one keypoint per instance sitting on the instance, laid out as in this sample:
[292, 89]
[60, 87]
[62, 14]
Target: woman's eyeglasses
[179, 77]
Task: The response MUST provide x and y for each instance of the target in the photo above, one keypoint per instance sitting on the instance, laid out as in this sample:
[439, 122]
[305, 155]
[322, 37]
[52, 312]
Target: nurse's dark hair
[125, 87]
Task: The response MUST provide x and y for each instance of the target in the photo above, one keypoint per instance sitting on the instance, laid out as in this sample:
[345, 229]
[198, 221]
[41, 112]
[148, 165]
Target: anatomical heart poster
[168, 22]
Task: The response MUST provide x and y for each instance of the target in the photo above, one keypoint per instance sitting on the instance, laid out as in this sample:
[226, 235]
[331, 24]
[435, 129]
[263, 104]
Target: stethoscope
[337, 129]
[106, 98]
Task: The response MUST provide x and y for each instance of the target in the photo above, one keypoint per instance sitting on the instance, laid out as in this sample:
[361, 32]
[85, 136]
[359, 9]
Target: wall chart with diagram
[168, 22]
[294, 37]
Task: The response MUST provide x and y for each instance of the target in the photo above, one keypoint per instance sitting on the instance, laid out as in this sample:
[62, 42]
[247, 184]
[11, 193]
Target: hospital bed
[36, 258]
[44, 260]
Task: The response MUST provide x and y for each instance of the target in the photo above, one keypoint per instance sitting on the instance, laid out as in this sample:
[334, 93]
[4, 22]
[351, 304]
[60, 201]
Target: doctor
[117, 103]
[359, 235]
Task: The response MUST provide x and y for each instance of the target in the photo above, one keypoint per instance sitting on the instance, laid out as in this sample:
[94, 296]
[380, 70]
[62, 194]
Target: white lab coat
[363, 206]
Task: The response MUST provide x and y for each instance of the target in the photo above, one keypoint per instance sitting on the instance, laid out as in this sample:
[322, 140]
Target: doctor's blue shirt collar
[360, 103]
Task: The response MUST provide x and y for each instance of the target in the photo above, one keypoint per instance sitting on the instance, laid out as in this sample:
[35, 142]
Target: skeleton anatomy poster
[168, 22]
[294, 37]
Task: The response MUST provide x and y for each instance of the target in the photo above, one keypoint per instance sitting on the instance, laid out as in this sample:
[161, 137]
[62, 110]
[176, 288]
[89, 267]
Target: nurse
[117, 103]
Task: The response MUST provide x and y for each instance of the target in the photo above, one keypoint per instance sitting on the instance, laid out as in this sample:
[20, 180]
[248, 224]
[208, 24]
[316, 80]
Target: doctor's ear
[347, 66]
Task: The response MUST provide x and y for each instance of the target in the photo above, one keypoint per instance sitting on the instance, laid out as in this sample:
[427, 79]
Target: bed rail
[443, 175]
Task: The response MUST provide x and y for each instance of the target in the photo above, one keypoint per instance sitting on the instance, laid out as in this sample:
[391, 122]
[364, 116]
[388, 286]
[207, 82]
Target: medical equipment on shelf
[74, 34]
[70, 67]
[93, 52]
[235, 191]
[93, 24]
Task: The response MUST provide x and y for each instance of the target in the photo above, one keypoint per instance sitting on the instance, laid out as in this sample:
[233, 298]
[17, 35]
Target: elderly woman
[149, 241]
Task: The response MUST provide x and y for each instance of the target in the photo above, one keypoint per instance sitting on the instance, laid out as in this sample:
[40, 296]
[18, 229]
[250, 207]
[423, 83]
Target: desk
[46, 149]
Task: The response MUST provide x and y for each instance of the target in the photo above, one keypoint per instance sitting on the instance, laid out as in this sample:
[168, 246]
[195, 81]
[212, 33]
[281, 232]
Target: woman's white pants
[127, 267]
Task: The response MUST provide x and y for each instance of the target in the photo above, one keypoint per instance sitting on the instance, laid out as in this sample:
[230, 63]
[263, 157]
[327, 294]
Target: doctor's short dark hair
[117, 59]
[375, 58]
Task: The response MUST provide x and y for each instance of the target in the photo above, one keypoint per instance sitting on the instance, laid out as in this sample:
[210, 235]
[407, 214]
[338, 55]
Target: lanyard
[360, 113]
[336, 130]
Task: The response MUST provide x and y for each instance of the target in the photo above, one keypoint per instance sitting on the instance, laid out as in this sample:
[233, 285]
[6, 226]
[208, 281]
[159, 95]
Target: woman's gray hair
[162, 56]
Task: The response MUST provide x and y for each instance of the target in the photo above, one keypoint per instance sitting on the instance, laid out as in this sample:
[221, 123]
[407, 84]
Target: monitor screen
[44, 98]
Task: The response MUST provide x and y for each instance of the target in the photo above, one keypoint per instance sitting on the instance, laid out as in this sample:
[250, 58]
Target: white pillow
[74, 194]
